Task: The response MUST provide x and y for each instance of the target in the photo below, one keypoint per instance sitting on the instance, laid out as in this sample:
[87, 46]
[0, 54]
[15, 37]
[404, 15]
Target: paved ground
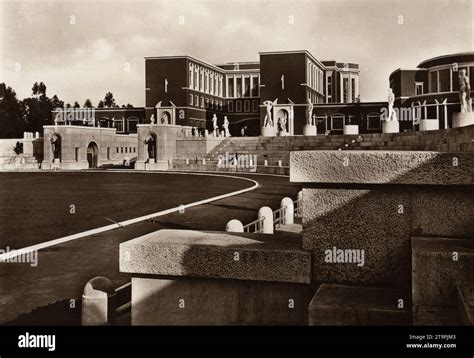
[64, 269]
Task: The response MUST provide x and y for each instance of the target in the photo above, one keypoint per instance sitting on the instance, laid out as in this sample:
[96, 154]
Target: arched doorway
[92, 155]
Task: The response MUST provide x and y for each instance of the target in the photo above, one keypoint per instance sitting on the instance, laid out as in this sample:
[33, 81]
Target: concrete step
[439, 265]
[436, 316]
[353, 305]
[466, 304]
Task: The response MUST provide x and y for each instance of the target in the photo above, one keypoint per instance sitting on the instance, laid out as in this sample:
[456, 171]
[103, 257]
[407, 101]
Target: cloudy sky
[84, 49]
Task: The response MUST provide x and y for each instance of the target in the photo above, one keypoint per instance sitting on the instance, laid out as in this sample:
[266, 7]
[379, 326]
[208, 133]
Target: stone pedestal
[351, 129]
[282, 133]
[268, 132]
[390, 127]
[309, 129]
[183, 277]
[463, 119]
[429, 125]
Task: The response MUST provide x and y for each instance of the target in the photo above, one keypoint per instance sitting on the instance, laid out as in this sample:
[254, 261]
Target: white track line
[12, 254]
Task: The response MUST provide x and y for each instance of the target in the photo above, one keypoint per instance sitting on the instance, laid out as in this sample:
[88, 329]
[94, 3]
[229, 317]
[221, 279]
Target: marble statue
[226, 127]
[282, 123]
[465, 92]
[309, 111]
[152, 119]
[392, 115]
[214, 126]
[268, 121]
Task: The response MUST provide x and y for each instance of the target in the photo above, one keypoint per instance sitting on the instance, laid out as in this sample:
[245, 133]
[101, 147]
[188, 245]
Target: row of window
[243, 85]
[205, 80]
[246, 106]
[204, 102]
[126, 149]
[447, 79]
[315, 78]
[238, 106]
[336, 122]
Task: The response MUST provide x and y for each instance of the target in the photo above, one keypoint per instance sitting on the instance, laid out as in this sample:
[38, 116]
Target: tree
[109, 100]
[129, 105]
[68, 105]
[100, 104]
[76, 105]
[88, 103]
[56, 102]
[11, 120]
[35, 89]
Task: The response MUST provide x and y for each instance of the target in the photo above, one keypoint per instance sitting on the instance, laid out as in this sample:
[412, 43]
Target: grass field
[36, 207]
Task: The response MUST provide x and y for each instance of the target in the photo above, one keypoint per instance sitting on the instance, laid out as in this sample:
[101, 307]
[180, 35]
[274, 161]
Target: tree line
[32, 113]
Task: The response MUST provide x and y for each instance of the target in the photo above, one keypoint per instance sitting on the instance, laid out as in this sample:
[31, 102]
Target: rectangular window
[353, 89]
[207, 102]
[108, 153]
[254, 106]
[247, 86]
[345, 90]
[190, 78]
[418, 88]
[373, 122]
[76, 154]
[255, 87]
[220, 105]
[212, 103]
[196, 101]
[121, 149]
[117, 149]
[126, 149]
[118, 125]
[196, 82]
[247, 106]
[444, 80]
[434, 82]
[230, 89]
[230, 105]
[202, 102]
[132, 126]
[190, 99]
[337, 123]
[238, 106]
[239, 87]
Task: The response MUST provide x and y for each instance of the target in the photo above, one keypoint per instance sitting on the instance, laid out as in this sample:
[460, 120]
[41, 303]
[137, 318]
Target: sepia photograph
[236, 170]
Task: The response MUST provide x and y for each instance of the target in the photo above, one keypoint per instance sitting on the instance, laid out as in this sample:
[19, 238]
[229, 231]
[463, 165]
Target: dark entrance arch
[92, 155]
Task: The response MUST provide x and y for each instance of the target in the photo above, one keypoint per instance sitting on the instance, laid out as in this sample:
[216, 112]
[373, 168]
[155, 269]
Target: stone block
[218, 255]
[377, 167]
[353, 305]
[439, 265]
[199, 301]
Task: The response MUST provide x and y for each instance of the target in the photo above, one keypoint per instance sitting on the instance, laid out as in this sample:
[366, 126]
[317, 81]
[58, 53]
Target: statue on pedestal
[152, 119]
[465, 92]
[392, 115]
[268, 121]
[226, 127]
[309, 112]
